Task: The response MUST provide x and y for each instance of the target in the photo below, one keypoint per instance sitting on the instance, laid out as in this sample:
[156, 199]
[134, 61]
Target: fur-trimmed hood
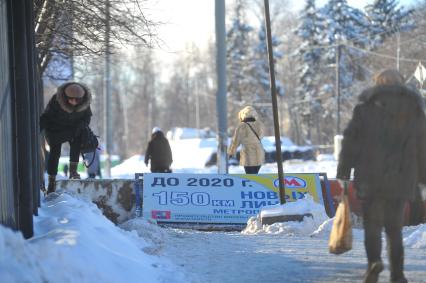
[60, 97]
[382, 96]
[247, 112]
[377, 91]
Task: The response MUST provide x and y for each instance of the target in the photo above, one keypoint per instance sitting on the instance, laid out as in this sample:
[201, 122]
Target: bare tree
[67, 28]
[140, 93]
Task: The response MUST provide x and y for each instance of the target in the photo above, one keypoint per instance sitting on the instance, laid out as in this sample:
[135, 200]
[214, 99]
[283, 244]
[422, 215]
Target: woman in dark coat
[159, 152]
[67, 112]
[385, 143]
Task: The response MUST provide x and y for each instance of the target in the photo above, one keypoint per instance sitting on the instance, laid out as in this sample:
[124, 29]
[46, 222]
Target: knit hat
[74, 90]
[156, 129]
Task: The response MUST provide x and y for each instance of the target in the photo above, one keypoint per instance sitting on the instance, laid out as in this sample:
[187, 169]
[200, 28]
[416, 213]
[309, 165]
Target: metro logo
[292, 183]
[160, 214]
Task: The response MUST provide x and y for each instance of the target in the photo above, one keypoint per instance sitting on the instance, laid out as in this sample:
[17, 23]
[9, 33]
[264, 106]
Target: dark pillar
[20, 25]
[34, 95]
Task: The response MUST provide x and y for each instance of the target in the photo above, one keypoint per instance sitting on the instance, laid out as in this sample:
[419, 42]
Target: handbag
[341, 233]
[89, 143]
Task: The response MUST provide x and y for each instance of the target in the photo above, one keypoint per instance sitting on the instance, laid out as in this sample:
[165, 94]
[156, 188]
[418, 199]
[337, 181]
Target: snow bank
[74, 242]
[129, 167]
[151, 233]
[300, 207]
[17, 262]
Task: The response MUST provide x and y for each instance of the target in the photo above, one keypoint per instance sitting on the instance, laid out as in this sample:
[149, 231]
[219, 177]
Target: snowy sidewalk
[74, 242]
[234, 257]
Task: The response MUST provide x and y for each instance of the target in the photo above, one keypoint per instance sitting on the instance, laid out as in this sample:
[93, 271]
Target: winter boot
[372, 274]
[73, 171]
[51, 187]
[401, 280]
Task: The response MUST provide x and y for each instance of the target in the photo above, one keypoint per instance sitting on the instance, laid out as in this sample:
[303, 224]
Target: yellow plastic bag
[341, 233]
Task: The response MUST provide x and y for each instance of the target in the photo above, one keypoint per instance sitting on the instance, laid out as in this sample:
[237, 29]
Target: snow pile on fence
[301, 207]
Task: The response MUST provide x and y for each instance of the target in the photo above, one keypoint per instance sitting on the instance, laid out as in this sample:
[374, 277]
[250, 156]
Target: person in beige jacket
[248, 133]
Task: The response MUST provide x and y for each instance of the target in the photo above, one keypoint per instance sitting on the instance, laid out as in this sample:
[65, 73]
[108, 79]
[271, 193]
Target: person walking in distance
[385, 144]
[67, 112]
[248, 133]
[159, 152]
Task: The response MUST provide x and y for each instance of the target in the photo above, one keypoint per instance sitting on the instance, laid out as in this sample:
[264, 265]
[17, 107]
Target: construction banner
[219, 199]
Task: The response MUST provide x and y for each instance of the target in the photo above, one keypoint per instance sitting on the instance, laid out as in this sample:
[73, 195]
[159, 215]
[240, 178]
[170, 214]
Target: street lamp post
[221, 86]
[107, 98]
[197, 108]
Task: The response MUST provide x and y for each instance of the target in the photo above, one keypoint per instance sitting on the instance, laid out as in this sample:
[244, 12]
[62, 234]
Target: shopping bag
[341, 233]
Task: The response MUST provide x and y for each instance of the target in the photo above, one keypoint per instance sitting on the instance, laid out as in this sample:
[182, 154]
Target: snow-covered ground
[74, 242]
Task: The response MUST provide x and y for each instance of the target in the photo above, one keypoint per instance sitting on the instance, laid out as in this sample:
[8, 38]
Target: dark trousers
[55, 153]
[379, 213]
[417, 209]
[160, 170]
[252, 169]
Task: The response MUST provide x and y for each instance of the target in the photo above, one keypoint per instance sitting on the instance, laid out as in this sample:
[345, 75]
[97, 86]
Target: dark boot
[51, 187]
[73, 171]
[400, 280]
[372, 274]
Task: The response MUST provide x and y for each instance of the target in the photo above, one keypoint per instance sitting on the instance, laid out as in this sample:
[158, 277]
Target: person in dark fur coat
[385, 143]
[159, 152]
[67, 112]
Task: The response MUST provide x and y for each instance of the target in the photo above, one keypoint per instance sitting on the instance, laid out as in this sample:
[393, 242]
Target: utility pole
[338, 50]
[398, 49]
[222, 157]
[197, 107]
[71, 31]
[274, 104]
[107, 97]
